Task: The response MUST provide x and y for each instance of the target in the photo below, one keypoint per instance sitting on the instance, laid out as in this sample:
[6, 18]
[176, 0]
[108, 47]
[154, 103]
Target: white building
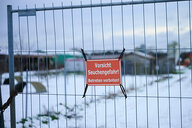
[74, 65]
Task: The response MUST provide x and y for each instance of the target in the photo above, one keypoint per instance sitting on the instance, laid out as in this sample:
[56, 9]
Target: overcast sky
[92, 37]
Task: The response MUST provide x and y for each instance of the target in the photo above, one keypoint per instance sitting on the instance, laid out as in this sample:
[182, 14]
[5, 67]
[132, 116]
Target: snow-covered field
[166, 102]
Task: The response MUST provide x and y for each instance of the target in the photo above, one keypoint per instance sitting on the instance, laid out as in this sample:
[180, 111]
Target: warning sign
[101, 72]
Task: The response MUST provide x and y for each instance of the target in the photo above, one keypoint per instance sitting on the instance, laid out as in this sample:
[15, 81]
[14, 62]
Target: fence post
[11, 63]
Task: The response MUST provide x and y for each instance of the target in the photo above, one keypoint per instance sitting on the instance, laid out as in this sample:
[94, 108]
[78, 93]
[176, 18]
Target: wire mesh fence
[44, 52]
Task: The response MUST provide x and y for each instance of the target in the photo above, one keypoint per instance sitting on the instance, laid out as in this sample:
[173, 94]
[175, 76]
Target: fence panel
[44, 52]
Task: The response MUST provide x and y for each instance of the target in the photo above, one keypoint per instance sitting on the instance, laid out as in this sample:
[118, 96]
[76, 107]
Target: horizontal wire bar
[97, 5]
[159, 49]
[80, 95]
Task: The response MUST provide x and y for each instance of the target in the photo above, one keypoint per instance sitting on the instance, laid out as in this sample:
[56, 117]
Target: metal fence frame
[10, 12]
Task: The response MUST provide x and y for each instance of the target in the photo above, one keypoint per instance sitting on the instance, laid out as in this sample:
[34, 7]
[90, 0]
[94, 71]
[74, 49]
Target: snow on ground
[152, 102]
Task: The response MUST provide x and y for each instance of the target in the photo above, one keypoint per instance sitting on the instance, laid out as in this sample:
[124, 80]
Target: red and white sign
[103, 72]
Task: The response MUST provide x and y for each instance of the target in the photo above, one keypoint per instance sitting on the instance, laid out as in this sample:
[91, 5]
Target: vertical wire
[179, 64]
[29, 65]
[65, 91]
[112, 34]
[190, 37]
[145, 65]
[93, 48]
[56, 65]
[133, 21]
[123, 39]
[157, 65]
[37, 39]
[103, 41]
[46, 41]
[82, 32]
[74, 62]
[19, 25]
[93, 52]
[168, 65]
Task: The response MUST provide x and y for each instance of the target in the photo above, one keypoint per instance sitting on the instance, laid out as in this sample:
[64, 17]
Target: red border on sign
[106, 83]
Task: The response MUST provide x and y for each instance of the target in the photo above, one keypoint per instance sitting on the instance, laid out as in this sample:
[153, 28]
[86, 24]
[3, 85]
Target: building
[59, 59]
[137, 63]
[104, 55]
[74, 65]
[132, 63]
[4, 63]
[163, 63]
[32, 62]
[140, 63]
